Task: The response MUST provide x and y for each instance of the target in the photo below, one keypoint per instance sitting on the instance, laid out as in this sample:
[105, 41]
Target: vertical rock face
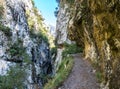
[62, 25]
[15, 18]
[61, 31]
[95, 25]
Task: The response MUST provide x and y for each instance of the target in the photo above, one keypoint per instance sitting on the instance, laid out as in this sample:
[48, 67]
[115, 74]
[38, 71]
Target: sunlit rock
[29, 53]
[94, 25]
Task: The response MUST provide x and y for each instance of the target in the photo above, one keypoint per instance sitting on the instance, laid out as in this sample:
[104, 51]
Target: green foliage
[1, 11]
[14, 78]
[99, 76]
[26, 59]
[16, 75]
[71, 49]
[33, 2]
[45, 78]
[39, 16]
[98, 73]
[40, 32]
[65, 66]
[62, 73]
[18, 53]
[41, 36]
[54, 52]
[58, 1]
[70, 1]
[17, 49]
[6, 30]
[56, 11]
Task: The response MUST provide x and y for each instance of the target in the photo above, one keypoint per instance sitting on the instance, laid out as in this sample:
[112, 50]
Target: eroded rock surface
[12, 46]
[95, 26]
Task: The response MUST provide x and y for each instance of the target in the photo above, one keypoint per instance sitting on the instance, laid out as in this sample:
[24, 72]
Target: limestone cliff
[23, 44]
[95, 26]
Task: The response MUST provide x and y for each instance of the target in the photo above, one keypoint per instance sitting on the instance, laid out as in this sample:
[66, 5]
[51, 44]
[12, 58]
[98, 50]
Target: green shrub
[62, 73]
[33, 2]
[41, 36]
[54, 52]
[99, 76]
[6, 30]
[16, 75]
[70, 1]
[17, 49]
[71, 49]
[1, 11]
[18, 53]
[39, 33]
[14, 78]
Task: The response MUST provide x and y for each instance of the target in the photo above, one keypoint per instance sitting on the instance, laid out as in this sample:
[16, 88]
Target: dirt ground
[82, 75]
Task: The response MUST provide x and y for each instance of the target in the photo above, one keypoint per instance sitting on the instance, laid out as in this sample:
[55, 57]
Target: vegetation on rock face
[39, 35]
[96, 26]
[33, 2]
[62, 73]
[40, 32]
[6, 30]
[65, 67]
[54, 53]
[1, 11]
[37, 27]
[15, 78]
[16, 74]
[70, 1]
[17, 52]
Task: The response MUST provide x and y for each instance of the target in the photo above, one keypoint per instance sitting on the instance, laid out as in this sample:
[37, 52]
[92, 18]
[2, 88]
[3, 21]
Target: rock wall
[15, 18]
[61, 33]
[95, 26]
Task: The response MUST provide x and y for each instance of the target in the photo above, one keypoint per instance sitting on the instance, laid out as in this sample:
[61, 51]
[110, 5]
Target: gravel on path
[82, 75]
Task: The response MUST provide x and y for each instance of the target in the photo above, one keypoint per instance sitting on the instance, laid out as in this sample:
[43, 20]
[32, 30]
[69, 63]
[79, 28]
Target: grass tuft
[63, 72]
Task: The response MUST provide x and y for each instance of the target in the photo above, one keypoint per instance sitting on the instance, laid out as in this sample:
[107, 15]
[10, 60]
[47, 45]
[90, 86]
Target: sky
[47, 8]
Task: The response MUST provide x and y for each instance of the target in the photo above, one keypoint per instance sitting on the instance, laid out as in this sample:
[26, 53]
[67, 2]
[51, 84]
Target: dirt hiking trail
[82, 75]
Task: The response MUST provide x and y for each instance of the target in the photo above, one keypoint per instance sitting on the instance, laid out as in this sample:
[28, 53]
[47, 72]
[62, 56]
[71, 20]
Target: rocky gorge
[26, 58]
[24, 48]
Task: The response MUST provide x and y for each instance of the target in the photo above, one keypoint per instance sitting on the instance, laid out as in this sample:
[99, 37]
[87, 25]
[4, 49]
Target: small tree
[56, 11]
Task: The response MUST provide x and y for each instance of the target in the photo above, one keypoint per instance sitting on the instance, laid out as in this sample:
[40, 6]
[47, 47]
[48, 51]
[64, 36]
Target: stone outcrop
[61, 33]
[95, 26]
[17, 20]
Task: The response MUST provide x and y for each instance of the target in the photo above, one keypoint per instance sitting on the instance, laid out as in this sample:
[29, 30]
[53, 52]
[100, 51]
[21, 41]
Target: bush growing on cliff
[56, 11]
[40, 32]
[5, 30]
[70, 1]
[33, 2]
[17, 52]
[54, 53]
[16, 74]
[17, 48]
[1, 11]
[41, 36]
[14, 79]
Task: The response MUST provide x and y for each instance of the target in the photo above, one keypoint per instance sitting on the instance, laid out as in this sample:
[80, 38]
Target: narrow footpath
[82, 75]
